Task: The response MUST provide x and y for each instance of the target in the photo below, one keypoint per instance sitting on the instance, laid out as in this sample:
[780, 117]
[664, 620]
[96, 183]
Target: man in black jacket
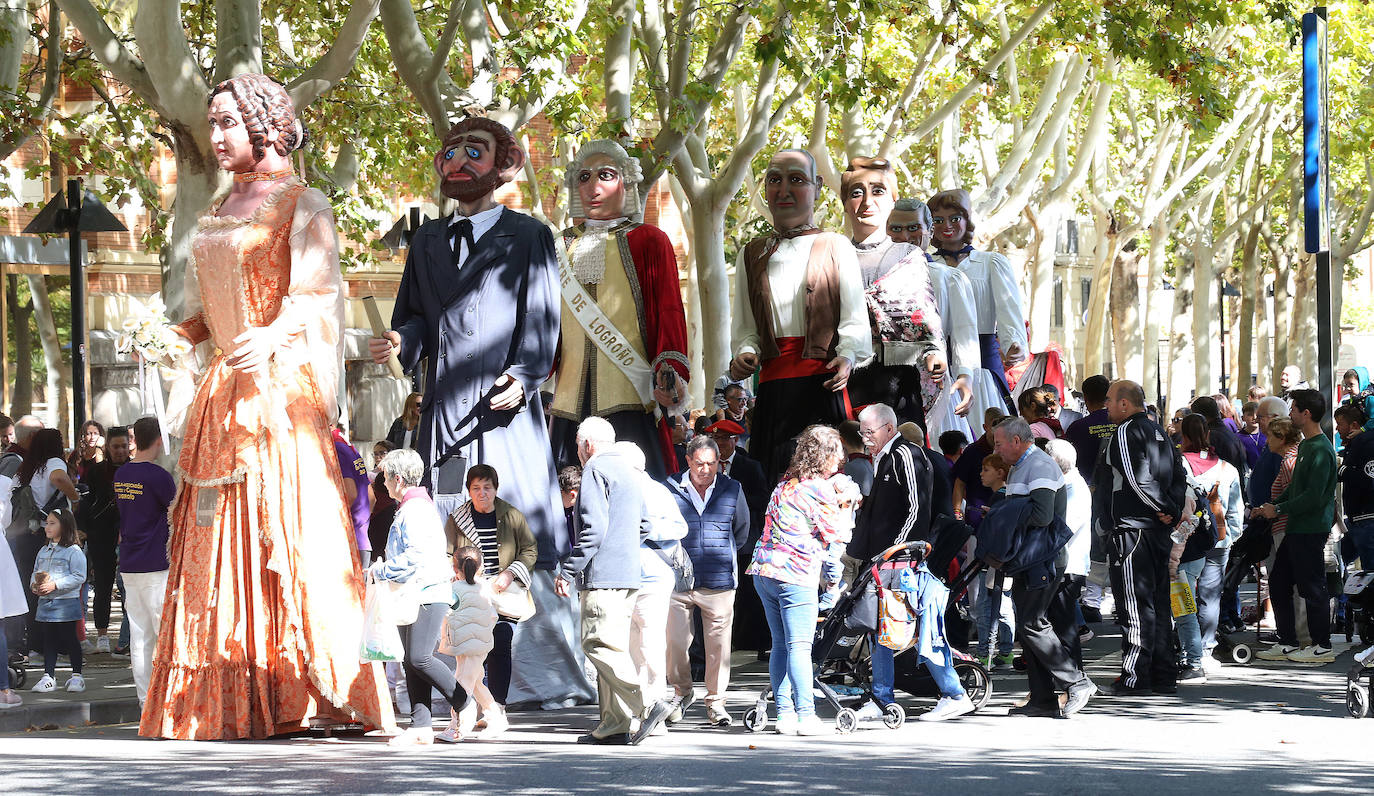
[1357, 481]
[896, 510]
[751, 626]
[1141, 486]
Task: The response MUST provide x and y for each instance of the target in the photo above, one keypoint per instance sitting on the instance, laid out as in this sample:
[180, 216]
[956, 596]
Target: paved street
[1261, 728]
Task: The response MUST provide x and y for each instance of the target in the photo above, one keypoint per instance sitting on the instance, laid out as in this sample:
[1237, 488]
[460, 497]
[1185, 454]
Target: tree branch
[108, 49]
[52, 79]
[238, 38]
[338, 60]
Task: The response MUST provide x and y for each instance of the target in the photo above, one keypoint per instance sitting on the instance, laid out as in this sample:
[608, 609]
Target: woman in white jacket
[649, 623]
[468, 638]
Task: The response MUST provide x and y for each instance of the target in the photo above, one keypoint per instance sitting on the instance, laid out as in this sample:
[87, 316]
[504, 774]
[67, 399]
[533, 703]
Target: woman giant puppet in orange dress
[260, 633]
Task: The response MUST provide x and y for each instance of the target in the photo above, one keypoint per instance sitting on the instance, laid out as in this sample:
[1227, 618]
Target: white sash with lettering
[608, 339]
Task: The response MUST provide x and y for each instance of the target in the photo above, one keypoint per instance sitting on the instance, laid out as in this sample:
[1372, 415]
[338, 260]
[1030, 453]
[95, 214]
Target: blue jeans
[1362, 534]
[980, 602]
[791, 612]
[885, 674]
[1197, 632]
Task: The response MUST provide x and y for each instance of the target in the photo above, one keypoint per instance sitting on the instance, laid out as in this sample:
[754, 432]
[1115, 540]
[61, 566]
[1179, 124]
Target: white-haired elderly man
[623, 350]
[1078, 515]
[611, 522]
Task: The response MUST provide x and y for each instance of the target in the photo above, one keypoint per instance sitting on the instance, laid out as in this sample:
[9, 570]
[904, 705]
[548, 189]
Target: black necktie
[462, 232]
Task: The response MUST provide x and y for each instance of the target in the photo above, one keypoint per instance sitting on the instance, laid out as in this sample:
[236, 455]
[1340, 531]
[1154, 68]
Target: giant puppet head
[790, 187]
[603, 182]
[477, 156]
[868, 187]
[909, 222]
[248, 114]
[951, 213]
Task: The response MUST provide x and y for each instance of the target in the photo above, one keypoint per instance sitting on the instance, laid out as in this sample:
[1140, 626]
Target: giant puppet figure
[909, 361]
[478, 304]
[909, 222]
[1001, 324]
[623, 352]
[261, 629]
[799, 315]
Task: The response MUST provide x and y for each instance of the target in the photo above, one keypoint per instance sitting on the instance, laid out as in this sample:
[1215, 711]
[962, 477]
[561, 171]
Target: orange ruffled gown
[261, 629]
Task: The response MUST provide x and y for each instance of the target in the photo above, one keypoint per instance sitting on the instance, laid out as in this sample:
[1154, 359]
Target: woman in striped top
[501, 532]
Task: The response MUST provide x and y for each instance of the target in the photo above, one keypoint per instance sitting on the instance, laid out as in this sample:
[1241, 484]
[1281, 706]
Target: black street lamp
[74, 212]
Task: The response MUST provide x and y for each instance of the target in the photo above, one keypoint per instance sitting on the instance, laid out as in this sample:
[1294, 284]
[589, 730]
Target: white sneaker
[87, 646]
[1313, 654]
[497, 723]
[450, 735]
[102, 645]
[870, 712]
[76, 684]
[948, 708]
[786, 725]
[1278, 652]
[45, 684]
[812, 725]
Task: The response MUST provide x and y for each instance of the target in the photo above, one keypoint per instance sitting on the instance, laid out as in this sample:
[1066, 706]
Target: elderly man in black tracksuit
[1140, 492]
[896, 510]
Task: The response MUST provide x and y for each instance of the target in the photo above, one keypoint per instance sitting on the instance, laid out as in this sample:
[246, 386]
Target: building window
[1067, 237]
[1057, 319]
[1086, 291]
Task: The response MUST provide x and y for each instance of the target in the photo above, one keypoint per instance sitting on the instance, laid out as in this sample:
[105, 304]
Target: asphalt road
[1263, 728]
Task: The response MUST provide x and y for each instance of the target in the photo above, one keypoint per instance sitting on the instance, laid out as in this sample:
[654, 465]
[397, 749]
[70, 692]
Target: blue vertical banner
[1316, 223]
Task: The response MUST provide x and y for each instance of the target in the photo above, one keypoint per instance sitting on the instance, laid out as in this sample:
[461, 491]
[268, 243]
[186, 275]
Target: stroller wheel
[1357, 700]
[755, 720]
[894, 716]
[1242, 654]
[18, 675]
[846, 720]
[974, 678]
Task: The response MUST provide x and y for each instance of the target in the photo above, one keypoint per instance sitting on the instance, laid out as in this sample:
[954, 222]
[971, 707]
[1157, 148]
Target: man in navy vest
[717, 518]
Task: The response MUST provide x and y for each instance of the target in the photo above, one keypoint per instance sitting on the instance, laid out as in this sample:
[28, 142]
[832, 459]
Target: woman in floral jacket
[909, 359]
[807, 516]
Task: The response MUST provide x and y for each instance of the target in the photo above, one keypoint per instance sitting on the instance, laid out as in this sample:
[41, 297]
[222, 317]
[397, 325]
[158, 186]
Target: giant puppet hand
[380, 348]
[743, 366]
[965, 392]
[670, 389]
[511, 393]
[936, 367]
[253, 350]
[842, 366]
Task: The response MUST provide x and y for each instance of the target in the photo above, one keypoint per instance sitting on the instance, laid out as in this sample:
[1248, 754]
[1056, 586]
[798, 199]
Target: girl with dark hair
[58, 573]
[468, 638]
[89, 450]
[1221, 481]
[45, 470]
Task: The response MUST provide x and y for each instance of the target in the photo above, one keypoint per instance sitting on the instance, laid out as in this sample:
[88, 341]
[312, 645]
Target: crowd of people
[601, 542]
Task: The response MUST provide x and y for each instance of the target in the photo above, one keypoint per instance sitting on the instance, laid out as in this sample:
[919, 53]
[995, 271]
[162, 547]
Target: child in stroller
[840, 654]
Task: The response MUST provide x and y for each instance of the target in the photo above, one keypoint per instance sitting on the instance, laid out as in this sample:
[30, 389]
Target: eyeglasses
[869, 432]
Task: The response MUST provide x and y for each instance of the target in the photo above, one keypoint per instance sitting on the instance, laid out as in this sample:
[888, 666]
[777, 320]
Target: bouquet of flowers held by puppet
[151, 338]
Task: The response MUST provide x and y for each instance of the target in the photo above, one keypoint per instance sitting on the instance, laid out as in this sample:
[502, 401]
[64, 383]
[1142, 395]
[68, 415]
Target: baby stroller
[1359, 608]
[839, 654]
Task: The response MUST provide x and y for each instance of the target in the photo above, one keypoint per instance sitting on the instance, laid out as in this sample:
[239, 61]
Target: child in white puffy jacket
[467, 637]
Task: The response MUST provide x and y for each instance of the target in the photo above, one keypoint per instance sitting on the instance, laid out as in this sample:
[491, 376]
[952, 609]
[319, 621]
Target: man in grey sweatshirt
[611, 521]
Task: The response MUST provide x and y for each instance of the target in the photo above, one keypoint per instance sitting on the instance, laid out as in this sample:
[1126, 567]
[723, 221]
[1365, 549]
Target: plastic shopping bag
[381, 640]
[1181, 598]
